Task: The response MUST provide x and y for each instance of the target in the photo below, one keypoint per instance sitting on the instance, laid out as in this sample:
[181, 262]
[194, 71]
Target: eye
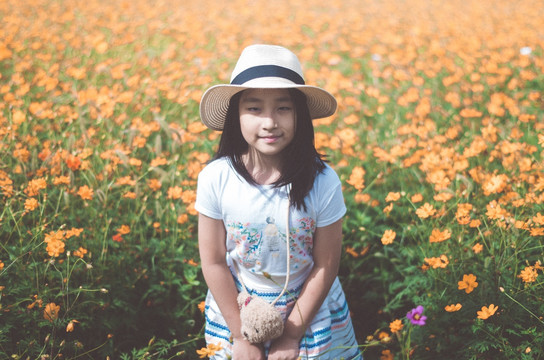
[286, 108]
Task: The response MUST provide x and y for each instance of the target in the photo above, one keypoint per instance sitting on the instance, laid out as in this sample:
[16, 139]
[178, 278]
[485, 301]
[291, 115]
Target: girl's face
[267, 120]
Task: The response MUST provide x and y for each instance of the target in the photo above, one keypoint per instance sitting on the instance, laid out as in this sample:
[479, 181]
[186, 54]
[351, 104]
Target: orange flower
[495, 211]
[470, 113]
[468, 283]
[125, 180]
[34, 186]
[356, 178]
[538, 219]
[386, 355]
[85, 192]
[73, 162]
[129, 195]
[70, 326]
[72, 232]
[477, 248]
[158, 162]
[439, 236]
[51, 312]
[475, 223]
[388, 237]
[495, 184]
[55, 244]
[61, 180]
[486, 312]
[528, 274]
[175, 192]
[396, 326]
[202, 306]
[209, 351]
[392, 196]
[453, 307]
[426, 211]
[182, 219]
[80, 252]
[351, 251]
[154, 184]
[31, 204]
[388, 208]
[123, 230]
[438, 262]
[416, 198]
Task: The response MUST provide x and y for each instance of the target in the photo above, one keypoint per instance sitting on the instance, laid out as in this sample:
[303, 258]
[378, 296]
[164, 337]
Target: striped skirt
[329, 336]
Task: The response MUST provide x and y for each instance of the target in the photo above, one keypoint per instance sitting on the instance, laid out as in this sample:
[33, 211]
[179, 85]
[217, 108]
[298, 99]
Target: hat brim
[215, 101]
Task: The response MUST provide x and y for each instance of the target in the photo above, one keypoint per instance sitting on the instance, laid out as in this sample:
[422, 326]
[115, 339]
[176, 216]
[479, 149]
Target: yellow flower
[468, 283]
[453, 307]
[396, 326]
[486, 312]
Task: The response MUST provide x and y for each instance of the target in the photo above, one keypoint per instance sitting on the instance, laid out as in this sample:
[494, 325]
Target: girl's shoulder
[216, 167]
[327, 177]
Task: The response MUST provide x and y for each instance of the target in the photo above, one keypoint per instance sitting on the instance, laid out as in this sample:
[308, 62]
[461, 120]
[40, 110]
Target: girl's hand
[284, 348]
[244, 350]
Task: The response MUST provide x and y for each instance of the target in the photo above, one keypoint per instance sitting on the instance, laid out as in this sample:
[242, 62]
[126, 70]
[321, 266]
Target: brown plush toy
[261, 321]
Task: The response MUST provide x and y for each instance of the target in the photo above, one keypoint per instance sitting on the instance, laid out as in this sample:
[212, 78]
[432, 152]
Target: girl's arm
[212, 247]
[327, 249]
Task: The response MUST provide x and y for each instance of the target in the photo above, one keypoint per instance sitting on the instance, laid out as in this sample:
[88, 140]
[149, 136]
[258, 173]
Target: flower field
[438, 139]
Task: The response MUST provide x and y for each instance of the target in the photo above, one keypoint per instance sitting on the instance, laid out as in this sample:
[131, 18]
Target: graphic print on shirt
[261, 247]
[271, 238]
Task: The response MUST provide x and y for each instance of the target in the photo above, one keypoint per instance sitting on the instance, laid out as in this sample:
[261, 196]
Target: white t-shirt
[255, 222]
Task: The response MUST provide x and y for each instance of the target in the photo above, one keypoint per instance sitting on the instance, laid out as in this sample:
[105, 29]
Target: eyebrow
[255, 99]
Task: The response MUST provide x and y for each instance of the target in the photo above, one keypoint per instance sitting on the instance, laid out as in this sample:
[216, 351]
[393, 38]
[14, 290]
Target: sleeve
[207, 193]
[331, 207]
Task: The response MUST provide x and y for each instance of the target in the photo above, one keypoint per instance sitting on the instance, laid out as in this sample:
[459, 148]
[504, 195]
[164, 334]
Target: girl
[267, 179]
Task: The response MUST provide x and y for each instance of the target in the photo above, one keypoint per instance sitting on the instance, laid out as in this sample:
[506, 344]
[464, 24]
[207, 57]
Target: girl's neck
[263, 170]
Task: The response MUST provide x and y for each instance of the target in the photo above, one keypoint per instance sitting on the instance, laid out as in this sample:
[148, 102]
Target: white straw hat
[263, 67]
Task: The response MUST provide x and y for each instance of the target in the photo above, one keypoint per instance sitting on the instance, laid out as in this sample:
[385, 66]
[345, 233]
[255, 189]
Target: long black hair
[301, 162]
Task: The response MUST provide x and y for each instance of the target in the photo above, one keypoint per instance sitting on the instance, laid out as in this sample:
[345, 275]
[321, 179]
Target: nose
[269, 122]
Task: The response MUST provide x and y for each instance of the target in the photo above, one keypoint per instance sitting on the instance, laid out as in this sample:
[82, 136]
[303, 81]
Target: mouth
[270, 138]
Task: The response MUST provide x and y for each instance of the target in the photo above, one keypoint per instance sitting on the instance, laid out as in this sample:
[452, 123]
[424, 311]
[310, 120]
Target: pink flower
[416, 316]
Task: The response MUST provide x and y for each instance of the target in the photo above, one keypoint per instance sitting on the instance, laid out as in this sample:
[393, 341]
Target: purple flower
[416, 316]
